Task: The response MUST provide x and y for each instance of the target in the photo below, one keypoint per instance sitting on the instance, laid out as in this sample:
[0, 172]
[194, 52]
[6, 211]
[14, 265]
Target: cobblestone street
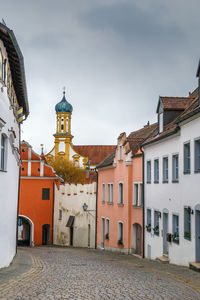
[66, 273]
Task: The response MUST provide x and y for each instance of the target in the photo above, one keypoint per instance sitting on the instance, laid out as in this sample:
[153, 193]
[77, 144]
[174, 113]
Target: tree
[69, 172]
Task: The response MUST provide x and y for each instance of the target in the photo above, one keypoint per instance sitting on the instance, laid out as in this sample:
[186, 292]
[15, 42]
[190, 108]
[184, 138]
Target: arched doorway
[45, 234]
[25, 231]
[136, 239]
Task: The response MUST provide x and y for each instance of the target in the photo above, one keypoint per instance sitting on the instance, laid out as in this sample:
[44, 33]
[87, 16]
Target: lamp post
[85, 208]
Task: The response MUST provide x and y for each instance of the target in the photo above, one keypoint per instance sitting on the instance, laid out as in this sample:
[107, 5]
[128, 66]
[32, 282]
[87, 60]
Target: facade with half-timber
[13, 110]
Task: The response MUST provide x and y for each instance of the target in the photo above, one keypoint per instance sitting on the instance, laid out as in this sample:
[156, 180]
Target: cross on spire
[64, 89]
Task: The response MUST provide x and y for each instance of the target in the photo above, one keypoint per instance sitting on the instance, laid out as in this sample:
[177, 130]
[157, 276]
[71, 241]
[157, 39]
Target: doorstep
[195, 266]
[163, 259]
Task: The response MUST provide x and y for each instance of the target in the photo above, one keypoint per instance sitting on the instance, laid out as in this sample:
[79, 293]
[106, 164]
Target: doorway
[45, 234]
[197, 235]
[71, 234]
[136, 239]
[25, 231]
[102, 232]
[165, 230]
[88, 235]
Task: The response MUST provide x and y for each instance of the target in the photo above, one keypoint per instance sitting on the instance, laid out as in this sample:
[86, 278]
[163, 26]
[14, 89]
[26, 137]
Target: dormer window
[160, 122]
[120, 152]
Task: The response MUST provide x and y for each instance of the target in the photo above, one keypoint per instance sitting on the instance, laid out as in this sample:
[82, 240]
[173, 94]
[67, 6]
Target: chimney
[198, 75]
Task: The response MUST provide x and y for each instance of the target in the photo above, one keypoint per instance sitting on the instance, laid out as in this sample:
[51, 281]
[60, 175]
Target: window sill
[110, 203]
[165, 181]
[175, 181]
[3, 171]
[186, 172]
[148, 182]
[120, 159]
[175, 242]
[197, 171]
[156, 233]
[137, 206]
[187, 238]
[120, 204]
[156, 182]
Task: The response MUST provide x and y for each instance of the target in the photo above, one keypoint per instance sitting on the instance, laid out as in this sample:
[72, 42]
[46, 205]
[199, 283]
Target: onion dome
[63, 106]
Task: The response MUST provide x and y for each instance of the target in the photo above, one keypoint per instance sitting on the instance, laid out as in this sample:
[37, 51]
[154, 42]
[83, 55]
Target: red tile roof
[176, 103]
[95, 153]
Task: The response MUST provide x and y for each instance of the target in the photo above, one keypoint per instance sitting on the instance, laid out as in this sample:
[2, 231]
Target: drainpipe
[143, 181]
[18, 189]
[96, 209]
[53, 210]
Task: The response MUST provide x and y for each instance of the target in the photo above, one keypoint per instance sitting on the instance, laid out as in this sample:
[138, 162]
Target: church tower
[63, 137]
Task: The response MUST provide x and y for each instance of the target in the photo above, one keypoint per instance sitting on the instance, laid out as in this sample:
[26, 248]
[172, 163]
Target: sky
[115, 57]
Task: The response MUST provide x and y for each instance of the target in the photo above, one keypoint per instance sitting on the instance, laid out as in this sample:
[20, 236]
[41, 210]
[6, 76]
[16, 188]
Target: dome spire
[64, 89]
[63, 106]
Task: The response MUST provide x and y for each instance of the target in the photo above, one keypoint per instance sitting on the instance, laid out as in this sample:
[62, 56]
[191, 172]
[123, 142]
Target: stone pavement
[74, 273]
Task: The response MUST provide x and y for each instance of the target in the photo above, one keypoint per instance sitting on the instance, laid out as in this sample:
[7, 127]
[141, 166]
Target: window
[1, 65]
[121, 194]
[110, 193]
[137, 194]
[45, 194]
[175, 229]
[148, 171]
[197, 156]
[156, 170]
[120, 233]
[187, 223]
[160, 122]
[103, 192]
[60, 214]
[165, 169]
[120, 152]
[3, 152]
[175, 168]
[156, 222]
[187, 158]
[148, 226]
[107, 229]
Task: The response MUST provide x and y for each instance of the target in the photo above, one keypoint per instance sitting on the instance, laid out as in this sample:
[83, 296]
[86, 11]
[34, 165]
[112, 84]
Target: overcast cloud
[114, 57]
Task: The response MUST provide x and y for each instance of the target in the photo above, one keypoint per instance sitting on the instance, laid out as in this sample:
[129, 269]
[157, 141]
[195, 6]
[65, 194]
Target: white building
[172, 178]
[75, 215]
[13, 109]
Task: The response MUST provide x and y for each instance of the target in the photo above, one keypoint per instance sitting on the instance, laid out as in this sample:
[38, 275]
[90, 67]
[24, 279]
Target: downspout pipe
[143, 182]
[18, 189]
[96, 209]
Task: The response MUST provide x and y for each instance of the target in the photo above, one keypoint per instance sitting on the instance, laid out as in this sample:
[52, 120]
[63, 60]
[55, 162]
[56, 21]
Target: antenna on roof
[4, 23]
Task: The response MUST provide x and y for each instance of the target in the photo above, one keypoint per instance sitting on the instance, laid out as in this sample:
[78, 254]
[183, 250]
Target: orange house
[120, 195]
[36, 201]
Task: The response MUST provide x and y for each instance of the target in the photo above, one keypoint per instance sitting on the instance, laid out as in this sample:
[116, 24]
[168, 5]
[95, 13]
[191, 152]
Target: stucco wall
[70, 199]
[8, 184]
[173, 196]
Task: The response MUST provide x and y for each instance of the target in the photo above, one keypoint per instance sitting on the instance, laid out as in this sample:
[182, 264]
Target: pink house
[120, 195]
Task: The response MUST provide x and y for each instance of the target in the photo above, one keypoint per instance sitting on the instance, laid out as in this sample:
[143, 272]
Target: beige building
[75, 215]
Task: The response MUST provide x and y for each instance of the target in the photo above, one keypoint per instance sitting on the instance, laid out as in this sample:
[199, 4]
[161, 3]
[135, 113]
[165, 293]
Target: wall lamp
[85, 208]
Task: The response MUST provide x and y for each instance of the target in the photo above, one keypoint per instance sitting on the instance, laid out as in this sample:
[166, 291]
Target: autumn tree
[69, 172]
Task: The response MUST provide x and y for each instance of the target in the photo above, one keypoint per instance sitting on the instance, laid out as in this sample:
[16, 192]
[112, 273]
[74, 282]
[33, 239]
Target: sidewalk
[21, 263]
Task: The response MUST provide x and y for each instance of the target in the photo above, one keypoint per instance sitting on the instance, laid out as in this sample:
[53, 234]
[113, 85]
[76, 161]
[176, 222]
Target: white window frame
[175, 167]
[103, 192]
[148, 171]
[120, 193]
[186, 158]
[3, 152]
[137, 194]
[156, 171]
[165, 169]
[196, 155]
[110, 192]
[120, 152]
